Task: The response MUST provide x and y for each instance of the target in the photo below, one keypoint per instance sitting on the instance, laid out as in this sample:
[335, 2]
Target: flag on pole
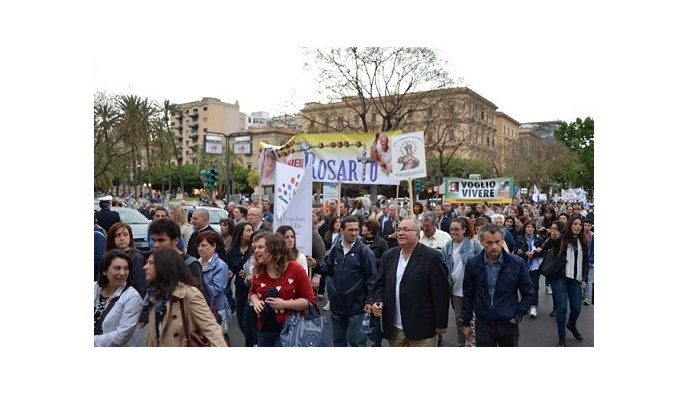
[536, 194]
[293, 202]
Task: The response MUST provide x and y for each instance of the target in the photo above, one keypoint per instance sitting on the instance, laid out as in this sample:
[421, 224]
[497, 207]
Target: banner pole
[409, 188]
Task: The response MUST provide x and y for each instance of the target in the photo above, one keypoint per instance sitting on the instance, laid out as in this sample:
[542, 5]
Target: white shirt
[437, 241]
[398, 276]
[458, 272]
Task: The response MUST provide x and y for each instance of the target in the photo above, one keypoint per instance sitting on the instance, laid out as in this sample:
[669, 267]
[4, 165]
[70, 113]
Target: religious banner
[350, 158]
[492, 190]
[293, 202]
[574, 195]
[409, 156]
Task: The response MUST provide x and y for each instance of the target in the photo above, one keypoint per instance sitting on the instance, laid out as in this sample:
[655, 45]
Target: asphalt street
[538, 332]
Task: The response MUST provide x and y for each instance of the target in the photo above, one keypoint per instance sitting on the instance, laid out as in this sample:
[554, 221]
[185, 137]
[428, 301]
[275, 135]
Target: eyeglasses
[405, 230]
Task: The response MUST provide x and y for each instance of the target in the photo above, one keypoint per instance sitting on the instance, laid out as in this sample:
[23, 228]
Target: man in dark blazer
[412, 291]
[201, 222]
[443, 222]
[388, 222]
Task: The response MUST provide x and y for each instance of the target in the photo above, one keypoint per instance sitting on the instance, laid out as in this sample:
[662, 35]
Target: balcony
[193, 135]
[194, 115]
[193, 146]
[179, 137]
[179, 117]
[193, 125]
[179, 127]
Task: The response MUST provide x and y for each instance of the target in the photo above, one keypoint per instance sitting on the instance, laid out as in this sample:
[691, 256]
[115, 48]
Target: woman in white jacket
[117, 304]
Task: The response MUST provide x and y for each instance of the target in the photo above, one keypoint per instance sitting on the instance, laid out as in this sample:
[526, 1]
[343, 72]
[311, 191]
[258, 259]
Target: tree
[538, 162]
[170, 109]
[107, 140]
[578, 137]
[382, 85]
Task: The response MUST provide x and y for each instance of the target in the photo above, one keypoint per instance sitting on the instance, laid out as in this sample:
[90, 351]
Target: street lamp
[228, 186]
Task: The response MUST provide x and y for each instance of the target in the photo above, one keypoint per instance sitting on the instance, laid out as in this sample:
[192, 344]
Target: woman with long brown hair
[279, 287]
[174, 289]
[120, 237]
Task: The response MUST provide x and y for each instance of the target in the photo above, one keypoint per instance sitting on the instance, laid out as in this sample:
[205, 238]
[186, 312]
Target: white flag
[293, 203]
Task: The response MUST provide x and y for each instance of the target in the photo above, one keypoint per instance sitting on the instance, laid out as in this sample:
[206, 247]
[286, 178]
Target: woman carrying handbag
[174, 296]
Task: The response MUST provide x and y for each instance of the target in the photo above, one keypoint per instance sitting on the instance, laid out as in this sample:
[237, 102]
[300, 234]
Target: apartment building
[195, 119]
[507, 130]
[455, 119]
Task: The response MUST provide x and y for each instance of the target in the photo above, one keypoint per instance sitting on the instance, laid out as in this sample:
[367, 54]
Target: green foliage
[578, 137]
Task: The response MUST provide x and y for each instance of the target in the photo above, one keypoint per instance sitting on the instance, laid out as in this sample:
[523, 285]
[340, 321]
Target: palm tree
[169, 110]
[136, 128]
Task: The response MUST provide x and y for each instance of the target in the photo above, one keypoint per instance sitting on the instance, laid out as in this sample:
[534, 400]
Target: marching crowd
[403, 268]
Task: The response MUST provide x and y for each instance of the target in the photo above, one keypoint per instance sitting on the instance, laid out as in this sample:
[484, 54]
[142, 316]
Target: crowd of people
[405, 268]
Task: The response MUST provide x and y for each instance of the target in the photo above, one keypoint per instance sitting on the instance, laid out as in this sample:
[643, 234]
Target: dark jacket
[193, 248]
[106, 218]
[379, 246]
[235, 260]
[353, 278]
[522, 245]
[513, 277]
[445, 224]
[387, 229]
[424, 292]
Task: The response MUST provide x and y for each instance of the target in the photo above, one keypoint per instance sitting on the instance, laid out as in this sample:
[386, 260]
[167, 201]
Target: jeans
[250, 325]
[535, 278]
[346, 329]
[563, 288]
[269, 339]
[548, 283]
[589, 286]
[491, 334]
[241, 301]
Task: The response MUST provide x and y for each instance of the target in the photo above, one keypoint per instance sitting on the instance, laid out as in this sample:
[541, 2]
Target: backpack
[205, 292]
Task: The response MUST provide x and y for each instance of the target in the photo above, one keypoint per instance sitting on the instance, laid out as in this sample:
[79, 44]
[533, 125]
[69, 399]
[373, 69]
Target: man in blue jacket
[492, 281]
[352, 266]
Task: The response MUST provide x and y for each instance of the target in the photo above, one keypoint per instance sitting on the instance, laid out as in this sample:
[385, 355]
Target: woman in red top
[279, 286]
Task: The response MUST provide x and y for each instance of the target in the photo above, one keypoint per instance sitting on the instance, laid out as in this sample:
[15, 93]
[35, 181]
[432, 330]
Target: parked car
[137, 222]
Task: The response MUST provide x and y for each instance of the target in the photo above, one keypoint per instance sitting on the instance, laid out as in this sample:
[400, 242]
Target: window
[340, 123]
[430, 112]
[451, 134]
[204, 130]
[204, 108]
[357, 119]
[482, 115]
[204, 119]
[487, 141]
[493, 143]
[451, 108]
[195, 110]
[374, 117]
[327, 121]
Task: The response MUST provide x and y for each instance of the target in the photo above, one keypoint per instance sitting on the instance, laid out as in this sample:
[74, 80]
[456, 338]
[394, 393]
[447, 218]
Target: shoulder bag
[192, 339]
[311, 330]
[553, 263]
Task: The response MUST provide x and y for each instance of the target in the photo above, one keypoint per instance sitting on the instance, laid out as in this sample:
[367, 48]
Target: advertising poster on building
[492, 190]
[409, 156]
[354, 158]
[293, 201]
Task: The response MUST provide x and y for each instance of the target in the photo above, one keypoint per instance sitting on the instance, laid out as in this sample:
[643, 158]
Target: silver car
[137, 222]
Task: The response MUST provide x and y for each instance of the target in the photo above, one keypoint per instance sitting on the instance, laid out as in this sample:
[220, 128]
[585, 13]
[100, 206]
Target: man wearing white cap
[106, 217]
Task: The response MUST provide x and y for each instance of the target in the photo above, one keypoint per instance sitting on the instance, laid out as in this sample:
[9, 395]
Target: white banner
[329, 191]
[573, 195]
[293, 201]
[409, 156]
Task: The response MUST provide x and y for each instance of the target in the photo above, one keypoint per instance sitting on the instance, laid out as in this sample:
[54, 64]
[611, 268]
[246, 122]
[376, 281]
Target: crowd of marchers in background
[393, 267]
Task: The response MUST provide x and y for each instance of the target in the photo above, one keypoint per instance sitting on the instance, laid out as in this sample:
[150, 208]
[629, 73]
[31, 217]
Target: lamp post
[229, 187]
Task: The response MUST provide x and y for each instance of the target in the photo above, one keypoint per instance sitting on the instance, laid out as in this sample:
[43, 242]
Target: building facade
[456, 120]
[195, 119]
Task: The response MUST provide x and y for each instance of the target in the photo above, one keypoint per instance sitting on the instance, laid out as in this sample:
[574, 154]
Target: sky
[527, 89]
[525, 66]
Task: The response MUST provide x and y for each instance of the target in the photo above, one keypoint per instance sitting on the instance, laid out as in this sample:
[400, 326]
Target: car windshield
[217, 214]
[131, 216]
